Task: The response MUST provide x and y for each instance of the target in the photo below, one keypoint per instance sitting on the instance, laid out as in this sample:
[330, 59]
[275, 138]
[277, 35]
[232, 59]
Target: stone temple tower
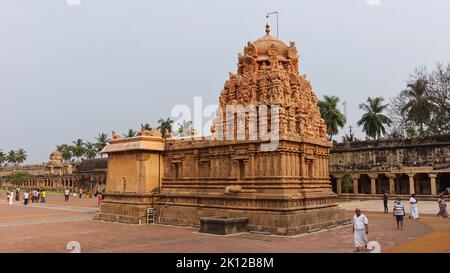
[267, 164]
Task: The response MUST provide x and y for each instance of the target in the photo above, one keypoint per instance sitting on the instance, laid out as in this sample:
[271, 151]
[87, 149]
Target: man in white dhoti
[413, 210]
[11, 197]
[360, 229]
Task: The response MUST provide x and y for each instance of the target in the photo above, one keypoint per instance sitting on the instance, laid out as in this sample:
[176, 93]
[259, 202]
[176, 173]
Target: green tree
[21, 156]
[165, 126]
[3, 158]
[66, 152]
[417, 108]
[146, 126]
[78, 149]
[333, 118]
[350, 136]
[102, 141]
[130, 133]
[184, 128]
[17, 178]
[11, 157]
[347, 182]
[373, 120]
[90, 150]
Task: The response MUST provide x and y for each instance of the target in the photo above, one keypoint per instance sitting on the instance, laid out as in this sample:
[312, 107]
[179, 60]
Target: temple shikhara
[285, 190]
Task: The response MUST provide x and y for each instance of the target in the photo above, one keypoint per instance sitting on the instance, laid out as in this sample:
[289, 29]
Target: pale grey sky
[70, 72]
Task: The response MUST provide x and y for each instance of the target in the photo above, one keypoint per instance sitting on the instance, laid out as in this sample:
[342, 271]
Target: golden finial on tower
[267, 28]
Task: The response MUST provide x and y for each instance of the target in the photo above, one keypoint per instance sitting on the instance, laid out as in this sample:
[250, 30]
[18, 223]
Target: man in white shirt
[414, 210]
[66, 194]
[360, 229]
[25, 198]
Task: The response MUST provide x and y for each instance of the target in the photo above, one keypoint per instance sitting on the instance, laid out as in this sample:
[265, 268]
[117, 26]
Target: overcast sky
[70, 72]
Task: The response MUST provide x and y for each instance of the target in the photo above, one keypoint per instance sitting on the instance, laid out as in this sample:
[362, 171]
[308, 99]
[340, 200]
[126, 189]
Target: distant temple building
[88, 175]
[420, 166]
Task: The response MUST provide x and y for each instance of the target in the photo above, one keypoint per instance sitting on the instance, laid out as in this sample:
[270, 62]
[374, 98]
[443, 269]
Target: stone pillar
[433, 183]
[355, 184]
[411, 183]
[373, 189]
[339, 184]
[391, 183]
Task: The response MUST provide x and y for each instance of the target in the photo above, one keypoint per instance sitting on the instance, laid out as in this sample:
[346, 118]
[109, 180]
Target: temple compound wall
[404, 166]
[88, 175]
[281, 183]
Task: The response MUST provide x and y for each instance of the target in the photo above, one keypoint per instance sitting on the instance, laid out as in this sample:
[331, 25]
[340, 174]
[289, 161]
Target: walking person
[99, 199]
[38, 196]
[443, 212]
[31, 197]
[18, 194]
[25, 198]
[414, 210]
[385, 202]
[360, 230]
[43, 194]
[399, 213]
[10, 197]
[66, 194]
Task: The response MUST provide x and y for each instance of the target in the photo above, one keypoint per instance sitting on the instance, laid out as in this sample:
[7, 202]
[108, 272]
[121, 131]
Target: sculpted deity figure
[250, 50]
[115, 135]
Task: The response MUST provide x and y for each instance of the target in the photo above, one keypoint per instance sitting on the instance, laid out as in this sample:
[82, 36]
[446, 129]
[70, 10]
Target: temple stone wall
[404, 166]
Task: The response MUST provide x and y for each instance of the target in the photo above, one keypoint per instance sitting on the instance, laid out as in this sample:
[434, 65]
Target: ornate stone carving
[268, 74]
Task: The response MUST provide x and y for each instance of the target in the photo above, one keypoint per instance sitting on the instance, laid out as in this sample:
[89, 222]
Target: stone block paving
[425, 207]
[56, 227]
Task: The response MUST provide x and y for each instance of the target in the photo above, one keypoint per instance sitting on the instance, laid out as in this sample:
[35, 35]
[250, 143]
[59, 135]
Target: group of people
[36, 196]
[361, 222]
[413, 208]
[39, 195]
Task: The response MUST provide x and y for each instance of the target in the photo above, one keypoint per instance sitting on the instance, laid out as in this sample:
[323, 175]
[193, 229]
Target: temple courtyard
[50, 227]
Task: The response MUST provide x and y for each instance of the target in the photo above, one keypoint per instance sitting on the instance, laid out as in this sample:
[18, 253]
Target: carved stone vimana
[285, 190]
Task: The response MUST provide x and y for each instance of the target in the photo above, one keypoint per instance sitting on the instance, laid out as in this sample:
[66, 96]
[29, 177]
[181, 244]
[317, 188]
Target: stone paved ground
[425, 207]
[48, 228]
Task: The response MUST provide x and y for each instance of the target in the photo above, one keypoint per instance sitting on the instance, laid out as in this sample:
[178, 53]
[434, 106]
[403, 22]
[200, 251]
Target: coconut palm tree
[330, 113]
[11, 157]
[90, 150]
[417, 108]
[130, 133]
[21, 156]
[102, 141]
[66, 152]
[184, 128]
[78, 149]
[3, 158]
[373, 121]
[146, 126]
[165, 126]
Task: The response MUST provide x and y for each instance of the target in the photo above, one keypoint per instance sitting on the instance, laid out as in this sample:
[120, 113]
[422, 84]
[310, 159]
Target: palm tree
[417, 108]
[146, 127]
[78, 148]
[131, 133]
[3, 158]
[184, 128]
[21, 156]
[350, 136]
[102, 141]
[373, 120]
[90, 150]
[333, 118]
[11, 157]
[165, 126]
[66, 152]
